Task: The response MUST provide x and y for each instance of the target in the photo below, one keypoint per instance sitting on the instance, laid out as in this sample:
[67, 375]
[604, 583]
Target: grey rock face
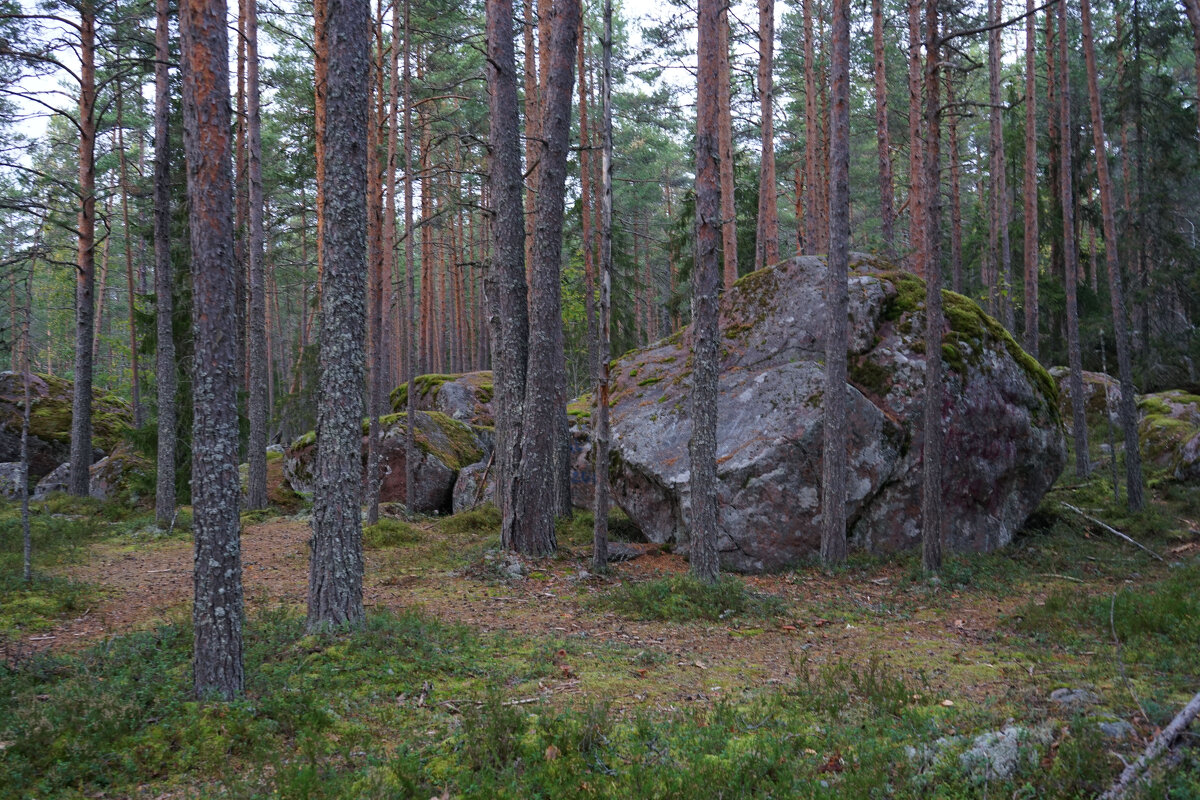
[54, 481]
[1073, 699]
[11, 476]
[1004, 445]
[475, 485]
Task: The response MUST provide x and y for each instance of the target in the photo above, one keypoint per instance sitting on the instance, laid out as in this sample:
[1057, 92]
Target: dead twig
[1113, 531]
[1133, 773]
[1060, 577]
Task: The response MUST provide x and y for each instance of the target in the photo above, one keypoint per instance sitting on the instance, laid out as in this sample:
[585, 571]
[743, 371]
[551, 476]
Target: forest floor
[852, 668]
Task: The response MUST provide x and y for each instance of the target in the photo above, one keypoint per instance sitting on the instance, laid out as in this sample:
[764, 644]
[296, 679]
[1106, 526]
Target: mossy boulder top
[1169, 429]
[444, 447]
[50, 420]
[466, 397]
[1004, 445]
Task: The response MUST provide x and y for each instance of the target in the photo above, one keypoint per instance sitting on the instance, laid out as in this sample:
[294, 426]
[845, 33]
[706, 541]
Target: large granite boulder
[466, 397]
[50, 420]
[1169, 429]
[445, 446]
[1004, 445]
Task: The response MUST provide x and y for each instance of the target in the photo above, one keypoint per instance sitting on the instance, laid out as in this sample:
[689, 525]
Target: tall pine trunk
[508, 311]
[165, 375]
[542, 463]
[887, 193]
[600, 433]
[706, 282]
[725, 143]
[1001, 289]
[1070, 253]
[336, 562]
[916, 176]
[837, 331]
[766, 243]
[1030, 190]
[217, 612]
[85, 275]
[931, 488]
[1116, 289]
[256, 492]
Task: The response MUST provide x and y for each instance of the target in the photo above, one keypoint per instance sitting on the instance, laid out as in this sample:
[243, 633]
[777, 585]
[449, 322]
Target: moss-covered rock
[444, 445]
[50, 420]
[1169, 429]
[466, 397]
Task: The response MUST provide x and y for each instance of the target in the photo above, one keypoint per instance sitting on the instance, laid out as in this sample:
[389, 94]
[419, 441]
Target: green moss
[451, 441]
[649, 381]
[869, 377]
[970, 329]
[580, 408]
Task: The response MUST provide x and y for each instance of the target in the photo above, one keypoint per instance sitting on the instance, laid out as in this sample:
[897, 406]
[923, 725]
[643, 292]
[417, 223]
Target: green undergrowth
[410, 707]
[60, 530]
[579, 529]
[682, 598]
[389, 533]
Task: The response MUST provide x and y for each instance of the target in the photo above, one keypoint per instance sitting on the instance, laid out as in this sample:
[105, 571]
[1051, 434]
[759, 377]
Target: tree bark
[600, 432]
[336, 564]
[217, 613]
[1070, 253]
[887, 192]
[376, 261]
[833, 460]
[766, 249]
[256, 491]
[1030, 191]
[165, 375]
[1001, 290]
[725, 143]
[85, 274]
[545, 389]
[1192, 9]
[812, 238]
[1116, 289]
[415, 338]
[135, 378]
[916, 198]
[587, 195]
[956, 231]
[533, 120]
[702, 448]
[932, 523]
[508, 311]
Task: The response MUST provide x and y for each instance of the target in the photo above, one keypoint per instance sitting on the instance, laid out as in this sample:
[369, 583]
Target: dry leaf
[551, 753]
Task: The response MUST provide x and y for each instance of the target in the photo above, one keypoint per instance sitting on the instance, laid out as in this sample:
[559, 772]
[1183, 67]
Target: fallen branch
[1060, 577]
[1113, 531]
[1133, 773]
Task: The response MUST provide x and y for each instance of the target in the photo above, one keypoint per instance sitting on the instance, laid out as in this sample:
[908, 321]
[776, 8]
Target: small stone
[1073, 699]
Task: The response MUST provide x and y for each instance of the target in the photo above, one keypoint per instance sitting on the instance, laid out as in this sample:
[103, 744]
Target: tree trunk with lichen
[702, 449]
[336, 563]
[217, 613]
[165, 376]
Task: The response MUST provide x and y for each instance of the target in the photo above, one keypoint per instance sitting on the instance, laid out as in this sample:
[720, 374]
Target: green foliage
[682, 598]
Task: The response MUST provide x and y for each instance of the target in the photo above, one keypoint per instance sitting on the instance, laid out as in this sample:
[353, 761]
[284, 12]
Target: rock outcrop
[1004, 445]
[112, 477]
[50, 421]
[1169, 430]
[1101, 396]
[445, 446]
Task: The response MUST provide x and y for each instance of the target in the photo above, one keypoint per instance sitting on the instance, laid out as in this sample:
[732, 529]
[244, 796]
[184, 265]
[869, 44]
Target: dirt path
[954, 647]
